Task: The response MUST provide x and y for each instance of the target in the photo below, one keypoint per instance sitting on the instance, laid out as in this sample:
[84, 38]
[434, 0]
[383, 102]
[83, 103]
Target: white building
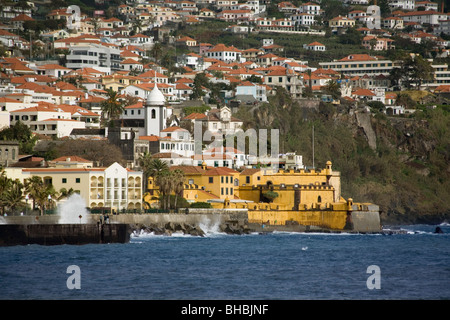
[427, 5]
[102, 58]
[142, 90]
[224, 53]
[444, 27]
[176, 140]
[53, 70]
[257, 91]
[55, 121]
[303, 19]
[310, 8]
[115, 186]
[359, 65]
[402, 4]
[315, 46]
[424, 17]
[155, 112]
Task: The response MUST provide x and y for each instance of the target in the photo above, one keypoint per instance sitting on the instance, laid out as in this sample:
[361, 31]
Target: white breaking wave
[210, 228]
[71, 210]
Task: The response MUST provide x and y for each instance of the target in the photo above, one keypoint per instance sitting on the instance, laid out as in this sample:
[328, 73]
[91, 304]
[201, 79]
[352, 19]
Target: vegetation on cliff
[406, 173]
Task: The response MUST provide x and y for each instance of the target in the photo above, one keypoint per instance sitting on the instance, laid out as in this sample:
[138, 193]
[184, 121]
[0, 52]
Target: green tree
[269, 196]
[154, 167]
[200, 81]
[5, 184]
[164, 181]
[14, 195]
[66, 193]
[351, 36]
[22, 133]
[40, 192]
[112, 107]
[420, 70]
[178, 184]
[156, 51]
[333, 8]
[414, 69]
[333, 88]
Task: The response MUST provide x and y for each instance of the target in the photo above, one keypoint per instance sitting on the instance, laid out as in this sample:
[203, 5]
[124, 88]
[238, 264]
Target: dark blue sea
[280, 266]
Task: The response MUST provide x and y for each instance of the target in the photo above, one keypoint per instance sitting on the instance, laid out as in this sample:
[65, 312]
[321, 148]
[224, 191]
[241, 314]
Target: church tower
[155, 112]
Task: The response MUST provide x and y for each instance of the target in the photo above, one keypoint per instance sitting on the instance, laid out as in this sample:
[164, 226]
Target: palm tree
[5, 184]
[155, 167]
[14, 195]
[112, 108]
[164, 180]
[178, 184]
[40, 192]
[64, 193]
[144, 162]
[333, 88]
[31, 186]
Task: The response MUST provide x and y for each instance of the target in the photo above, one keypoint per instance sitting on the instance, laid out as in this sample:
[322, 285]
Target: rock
[198, 232]
[230, 229]
[170, 226]
[438, 230]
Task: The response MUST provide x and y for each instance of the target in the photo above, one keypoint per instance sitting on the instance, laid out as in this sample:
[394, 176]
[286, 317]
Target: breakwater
[57, 234]
[118, 227]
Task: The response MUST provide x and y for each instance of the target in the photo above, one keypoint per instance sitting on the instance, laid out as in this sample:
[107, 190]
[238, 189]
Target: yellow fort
[309, 198]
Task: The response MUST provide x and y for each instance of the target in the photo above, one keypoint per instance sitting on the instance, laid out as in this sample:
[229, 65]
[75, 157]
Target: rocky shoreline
[170, 228]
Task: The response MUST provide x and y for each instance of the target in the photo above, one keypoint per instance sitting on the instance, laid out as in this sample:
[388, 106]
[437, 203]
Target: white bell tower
[155, 112]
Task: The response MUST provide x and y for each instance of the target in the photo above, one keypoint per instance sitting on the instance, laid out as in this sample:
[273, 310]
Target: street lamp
[26, 200]
[49, 200]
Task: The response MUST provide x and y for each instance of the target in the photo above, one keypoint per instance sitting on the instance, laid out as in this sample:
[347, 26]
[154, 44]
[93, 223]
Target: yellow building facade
[304, 197]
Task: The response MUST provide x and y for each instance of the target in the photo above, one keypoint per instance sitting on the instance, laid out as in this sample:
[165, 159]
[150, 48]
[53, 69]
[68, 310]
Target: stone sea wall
[57, 234]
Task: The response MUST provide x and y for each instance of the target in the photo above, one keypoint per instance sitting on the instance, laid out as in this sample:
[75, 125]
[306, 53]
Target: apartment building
[55, 121]
[102, 58]
[310, 8]
[286, 78]
[115, 186]
[340, 22]
[303, 19]
[377, 44]
[402, 4]
[247, 88]
[223, 53]
[359, 65]
[177, 140]
[424, 17]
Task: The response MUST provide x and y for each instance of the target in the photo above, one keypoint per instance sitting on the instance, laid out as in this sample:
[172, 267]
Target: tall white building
[96, 56]
[155, 112]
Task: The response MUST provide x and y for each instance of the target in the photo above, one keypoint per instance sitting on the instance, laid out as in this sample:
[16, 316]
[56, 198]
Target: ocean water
[280, 266]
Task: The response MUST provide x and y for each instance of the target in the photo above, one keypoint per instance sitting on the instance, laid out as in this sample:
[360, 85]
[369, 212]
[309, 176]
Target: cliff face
[409, 170]
[401, 164]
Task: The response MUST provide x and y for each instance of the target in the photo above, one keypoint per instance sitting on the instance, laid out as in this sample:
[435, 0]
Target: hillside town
[143, 76]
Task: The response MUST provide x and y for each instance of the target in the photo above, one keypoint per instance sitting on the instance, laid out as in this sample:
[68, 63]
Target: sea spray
[71, 210]
[210, 226]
